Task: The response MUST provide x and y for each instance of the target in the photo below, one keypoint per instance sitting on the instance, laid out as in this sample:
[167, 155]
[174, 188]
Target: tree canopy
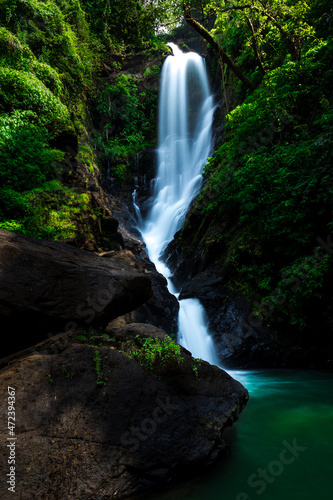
[268, 193]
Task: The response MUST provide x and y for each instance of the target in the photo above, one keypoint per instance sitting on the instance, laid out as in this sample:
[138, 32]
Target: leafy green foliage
[100, 368]
[195, 367]
[130, 124]
[26, 163]
[28, 167]
[270, 189]
[50, 59]
[153, 352]
[130, 25]
[58, 35]
[277, 28]
[22, 90]
[17, 55]
[48, 62]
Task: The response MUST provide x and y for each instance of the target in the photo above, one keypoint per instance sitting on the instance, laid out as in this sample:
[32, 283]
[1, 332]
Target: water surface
[281, 448]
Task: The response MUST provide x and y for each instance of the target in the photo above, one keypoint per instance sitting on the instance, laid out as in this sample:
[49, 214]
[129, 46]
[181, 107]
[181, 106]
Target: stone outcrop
[49, 286]
[136, 429]
[162, 308]
[243, 342]
[239, 344]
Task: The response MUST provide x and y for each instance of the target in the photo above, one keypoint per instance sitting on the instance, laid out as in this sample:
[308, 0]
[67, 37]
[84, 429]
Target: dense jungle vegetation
[266, 209]
[59, 116]
[268, 195]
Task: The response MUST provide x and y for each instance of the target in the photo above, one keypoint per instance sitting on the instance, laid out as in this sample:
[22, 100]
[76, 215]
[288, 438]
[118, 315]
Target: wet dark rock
[162, 308]
[239, 344]
[66, 141]
[50, 285]
[241, 341]
[81, 440]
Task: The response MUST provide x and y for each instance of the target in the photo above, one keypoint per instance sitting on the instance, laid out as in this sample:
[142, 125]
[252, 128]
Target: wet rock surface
[162, 308]
[50, 285]
[77, 439]
[243, 342]
[239, 344]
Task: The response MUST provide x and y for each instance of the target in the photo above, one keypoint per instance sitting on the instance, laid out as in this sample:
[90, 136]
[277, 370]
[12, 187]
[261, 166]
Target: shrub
[17, 55]
[152, 352]
[26, 159]
[24, 91]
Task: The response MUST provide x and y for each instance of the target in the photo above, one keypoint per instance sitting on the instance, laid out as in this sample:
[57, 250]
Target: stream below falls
[281, 446]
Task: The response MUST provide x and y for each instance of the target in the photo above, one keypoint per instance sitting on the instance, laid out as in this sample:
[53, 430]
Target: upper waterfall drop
[185, 118]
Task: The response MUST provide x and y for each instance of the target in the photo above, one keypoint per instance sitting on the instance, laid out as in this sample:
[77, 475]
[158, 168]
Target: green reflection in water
[281, 448]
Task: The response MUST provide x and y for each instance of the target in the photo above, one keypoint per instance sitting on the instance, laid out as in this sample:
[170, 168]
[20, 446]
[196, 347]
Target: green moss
[55, 213]
[17, 55]
[86, 157]
[20, 90]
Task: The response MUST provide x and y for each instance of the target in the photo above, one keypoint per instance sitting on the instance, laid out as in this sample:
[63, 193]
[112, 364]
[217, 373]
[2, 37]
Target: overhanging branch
[211, 40]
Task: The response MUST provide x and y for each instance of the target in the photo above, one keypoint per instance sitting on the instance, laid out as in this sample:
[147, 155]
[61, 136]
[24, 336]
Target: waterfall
[193, 334]
[185, 118]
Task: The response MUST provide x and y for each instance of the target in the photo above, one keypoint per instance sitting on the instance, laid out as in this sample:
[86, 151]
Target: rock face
[162, 308]
[80, 440]
[51, 286]
[241, 341]
[239, 344]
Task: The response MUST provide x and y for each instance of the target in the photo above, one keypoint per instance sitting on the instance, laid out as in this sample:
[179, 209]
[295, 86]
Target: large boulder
[50, 286]
[92, 422]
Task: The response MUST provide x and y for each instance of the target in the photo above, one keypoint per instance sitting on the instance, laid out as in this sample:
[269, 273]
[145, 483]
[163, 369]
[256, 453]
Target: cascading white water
[185, 118]
[192, 331]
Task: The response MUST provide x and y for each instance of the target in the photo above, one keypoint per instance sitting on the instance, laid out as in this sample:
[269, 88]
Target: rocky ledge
[47, 287]
[239, 342]
[97, 416]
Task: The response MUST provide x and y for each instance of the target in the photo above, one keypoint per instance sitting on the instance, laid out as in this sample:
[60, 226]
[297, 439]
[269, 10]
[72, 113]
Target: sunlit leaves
[23, 90]
[26, 159]
[272, 29]
[271, 184]
[17, 55]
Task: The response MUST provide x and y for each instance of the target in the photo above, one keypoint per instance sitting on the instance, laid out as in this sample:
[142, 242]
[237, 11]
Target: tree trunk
[210, 39]
[255, 47]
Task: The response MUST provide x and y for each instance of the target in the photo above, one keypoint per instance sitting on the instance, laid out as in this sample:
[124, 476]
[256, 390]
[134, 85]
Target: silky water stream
[185, 119]
[281, 446]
